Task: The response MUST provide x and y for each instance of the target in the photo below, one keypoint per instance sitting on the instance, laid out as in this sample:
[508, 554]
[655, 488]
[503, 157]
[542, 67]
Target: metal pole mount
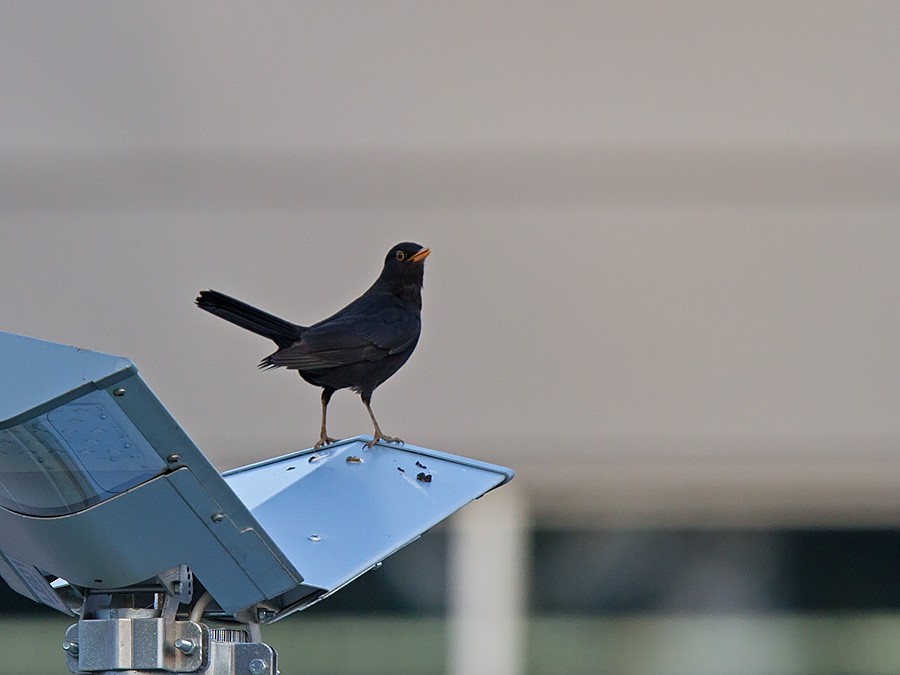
[153, 627]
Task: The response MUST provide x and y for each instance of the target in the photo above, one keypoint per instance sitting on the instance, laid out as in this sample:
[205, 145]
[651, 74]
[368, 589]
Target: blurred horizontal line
[709, 481]
[711, 449]
[593, 177]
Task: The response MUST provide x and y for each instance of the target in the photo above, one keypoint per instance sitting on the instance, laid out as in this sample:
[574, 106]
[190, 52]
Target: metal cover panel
[336, 512]
[142, 532]
[35, 373]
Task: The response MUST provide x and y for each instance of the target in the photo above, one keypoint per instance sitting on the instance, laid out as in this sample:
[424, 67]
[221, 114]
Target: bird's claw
[325, 440]
[386, 439]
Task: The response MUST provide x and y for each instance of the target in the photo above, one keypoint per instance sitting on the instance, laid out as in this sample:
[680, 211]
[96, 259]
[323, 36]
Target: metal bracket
[135, 643]
[240, 658]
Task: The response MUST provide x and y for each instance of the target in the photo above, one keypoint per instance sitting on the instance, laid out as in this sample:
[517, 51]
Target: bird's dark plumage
[357, 348]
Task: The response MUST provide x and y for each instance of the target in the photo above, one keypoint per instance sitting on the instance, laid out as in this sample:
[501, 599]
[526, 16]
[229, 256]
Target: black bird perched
[357, 348]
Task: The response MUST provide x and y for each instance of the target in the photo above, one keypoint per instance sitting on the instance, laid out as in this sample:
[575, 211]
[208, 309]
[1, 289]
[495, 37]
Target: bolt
[217, 517]
[70, 647]
[118, 392]
[314, 537]
[186, 646]
[257, 666]
[173, 458]
[264, 614]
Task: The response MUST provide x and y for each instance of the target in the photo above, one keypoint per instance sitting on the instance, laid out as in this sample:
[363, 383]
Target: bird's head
[403, 267]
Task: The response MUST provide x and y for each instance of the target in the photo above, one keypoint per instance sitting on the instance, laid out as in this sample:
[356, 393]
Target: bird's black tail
[246, 316]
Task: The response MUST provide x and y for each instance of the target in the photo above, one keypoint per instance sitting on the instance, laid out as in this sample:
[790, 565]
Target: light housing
[100, 487]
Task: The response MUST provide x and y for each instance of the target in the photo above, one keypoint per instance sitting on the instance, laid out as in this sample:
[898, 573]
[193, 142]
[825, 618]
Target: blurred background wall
[664, 288]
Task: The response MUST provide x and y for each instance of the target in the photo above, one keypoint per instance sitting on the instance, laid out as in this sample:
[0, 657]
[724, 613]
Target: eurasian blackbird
[357, 348]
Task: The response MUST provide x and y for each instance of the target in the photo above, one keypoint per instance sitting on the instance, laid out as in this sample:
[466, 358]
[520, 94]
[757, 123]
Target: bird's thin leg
[366, 399]
[324, 438]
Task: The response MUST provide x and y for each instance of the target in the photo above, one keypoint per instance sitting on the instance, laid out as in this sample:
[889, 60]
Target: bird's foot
[386, 439]
[325, 440]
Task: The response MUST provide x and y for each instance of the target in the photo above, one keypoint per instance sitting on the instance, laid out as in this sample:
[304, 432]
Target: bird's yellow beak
[419, 255]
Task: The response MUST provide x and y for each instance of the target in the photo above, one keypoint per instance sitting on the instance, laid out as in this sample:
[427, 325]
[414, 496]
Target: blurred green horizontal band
[648, 644]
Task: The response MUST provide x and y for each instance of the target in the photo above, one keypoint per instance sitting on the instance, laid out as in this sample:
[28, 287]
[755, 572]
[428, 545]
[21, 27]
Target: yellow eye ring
[400, 255]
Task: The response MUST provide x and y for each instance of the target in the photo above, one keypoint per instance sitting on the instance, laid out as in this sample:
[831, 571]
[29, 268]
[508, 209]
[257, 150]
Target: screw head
[257, 666]
[119, 392]
[70, 647]
[174, 458]
[186, 646]
[314, 537]
[217, 517]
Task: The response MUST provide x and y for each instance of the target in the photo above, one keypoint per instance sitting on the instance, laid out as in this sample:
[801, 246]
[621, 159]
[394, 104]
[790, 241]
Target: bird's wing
[345, 340]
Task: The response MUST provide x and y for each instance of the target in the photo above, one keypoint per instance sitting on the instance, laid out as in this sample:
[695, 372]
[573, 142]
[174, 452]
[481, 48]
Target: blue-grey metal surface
[338, 511]
[142, 532]
[35, 374]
